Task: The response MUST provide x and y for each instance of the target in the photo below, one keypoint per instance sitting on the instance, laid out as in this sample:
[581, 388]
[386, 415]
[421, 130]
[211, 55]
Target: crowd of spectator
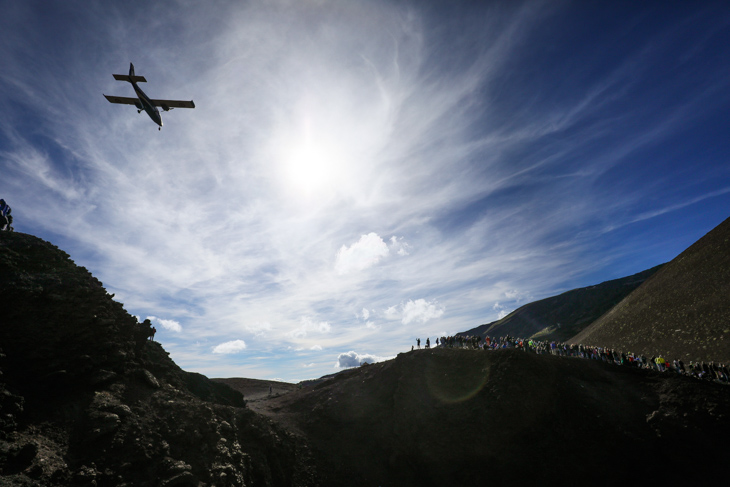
[699, 370]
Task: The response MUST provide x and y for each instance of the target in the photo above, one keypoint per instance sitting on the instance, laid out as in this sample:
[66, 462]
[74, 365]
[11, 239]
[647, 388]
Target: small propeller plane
[144, 102]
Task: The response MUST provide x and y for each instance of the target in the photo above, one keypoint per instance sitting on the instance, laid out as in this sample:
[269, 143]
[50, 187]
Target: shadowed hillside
[87, 400]
[471, 417]
[683, 311]
[561, 317]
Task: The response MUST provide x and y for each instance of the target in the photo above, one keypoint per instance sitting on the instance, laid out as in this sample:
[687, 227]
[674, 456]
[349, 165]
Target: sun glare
[311, 167]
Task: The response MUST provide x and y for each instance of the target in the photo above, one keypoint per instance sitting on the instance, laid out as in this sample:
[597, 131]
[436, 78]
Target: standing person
[418, 342]
[428, 342]
[4, 210]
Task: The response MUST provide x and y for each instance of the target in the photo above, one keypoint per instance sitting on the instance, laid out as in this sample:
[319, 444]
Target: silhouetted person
[5, 217]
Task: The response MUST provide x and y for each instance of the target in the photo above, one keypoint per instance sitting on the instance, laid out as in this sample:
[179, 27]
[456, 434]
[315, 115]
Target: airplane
[144, 102]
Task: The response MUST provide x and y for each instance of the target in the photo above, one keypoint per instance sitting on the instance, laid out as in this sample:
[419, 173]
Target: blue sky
[359, 174]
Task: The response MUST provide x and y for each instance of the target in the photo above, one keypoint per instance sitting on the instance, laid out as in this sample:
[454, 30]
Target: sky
[359, 174]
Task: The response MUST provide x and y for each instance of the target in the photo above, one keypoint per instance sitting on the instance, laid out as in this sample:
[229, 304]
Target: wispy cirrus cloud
[308, 325]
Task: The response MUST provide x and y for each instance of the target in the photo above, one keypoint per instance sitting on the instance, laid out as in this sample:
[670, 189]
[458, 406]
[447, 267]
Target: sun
[311, 166]
[313, 162]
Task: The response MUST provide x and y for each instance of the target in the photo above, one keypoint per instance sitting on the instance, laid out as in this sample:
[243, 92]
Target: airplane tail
[131, 77]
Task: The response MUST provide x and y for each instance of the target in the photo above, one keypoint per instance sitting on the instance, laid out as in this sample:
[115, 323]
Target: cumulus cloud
[234, 346]
[365, 314]
[354, 359]
[421, 311]
[307, 325]
[364, 253]
[171, 325]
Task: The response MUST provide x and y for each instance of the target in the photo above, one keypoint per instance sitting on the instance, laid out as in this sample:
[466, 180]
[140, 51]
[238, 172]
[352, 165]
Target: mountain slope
[561, 317]
[683, 311]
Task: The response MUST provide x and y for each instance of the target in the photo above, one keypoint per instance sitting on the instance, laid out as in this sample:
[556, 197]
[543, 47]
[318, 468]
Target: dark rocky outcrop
[87, 400]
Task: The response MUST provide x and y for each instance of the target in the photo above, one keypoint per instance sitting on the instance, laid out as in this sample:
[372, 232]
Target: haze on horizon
[360, 174]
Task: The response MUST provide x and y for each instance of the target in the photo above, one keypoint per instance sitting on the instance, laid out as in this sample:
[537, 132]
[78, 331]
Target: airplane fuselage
[147, 105]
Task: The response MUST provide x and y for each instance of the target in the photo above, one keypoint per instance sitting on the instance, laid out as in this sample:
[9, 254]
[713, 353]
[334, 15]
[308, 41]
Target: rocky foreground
[87, 400]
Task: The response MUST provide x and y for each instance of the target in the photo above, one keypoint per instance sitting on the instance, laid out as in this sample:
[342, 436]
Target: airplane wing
[167, 104]
[122, 100]
[126, 77]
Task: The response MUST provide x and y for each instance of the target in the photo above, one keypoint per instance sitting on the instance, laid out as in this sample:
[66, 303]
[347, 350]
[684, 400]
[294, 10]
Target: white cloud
[365, 314]
[364, 253]
[316, 348]
[234, 346]
[421, 311]
[518, 296]
[308, 325]
[171, 325]
[392, 313]
[354, 359]
[501, 311]
[258, 328]
[399, 246]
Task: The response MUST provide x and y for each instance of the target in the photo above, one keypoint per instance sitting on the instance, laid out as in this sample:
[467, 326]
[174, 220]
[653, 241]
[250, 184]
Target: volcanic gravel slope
[573, 310]
[683, 311]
